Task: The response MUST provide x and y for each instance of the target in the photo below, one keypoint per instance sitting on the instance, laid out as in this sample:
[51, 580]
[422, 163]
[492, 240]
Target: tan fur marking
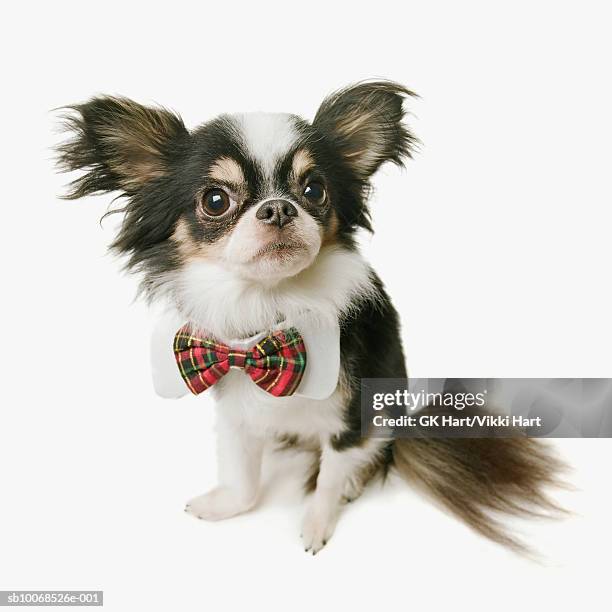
[227, 170]
[331, 230]
[302, 162]
[188, 248]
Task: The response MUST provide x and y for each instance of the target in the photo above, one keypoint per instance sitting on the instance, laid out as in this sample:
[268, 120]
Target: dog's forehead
[267, 137]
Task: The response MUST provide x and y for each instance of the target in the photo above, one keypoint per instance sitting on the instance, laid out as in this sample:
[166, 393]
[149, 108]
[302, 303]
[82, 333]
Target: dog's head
[258, 194]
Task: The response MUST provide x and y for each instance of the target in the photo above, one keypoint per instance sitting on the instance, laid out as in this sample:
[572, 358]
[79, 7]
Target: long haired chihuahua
[245, 230]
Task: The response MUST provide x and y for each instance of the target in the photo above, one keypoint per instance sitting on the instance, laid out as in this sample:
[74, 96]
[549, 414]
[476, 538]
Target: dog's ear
[120, 144]
[364, 122]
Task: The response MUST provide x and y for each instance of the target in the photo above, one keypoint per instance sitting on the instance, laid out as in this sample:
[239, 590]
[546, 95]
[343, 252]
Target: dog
[245, 229]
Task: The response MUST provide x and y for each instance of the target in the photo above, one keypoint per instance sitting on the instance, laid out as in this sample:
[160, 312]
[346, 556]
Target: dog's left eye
[315, 192]
[215, 202]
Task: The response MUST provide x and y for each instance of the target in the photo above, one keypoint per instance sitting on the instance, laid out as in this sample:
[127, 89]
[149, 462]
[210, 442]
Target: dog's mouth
[279, 250]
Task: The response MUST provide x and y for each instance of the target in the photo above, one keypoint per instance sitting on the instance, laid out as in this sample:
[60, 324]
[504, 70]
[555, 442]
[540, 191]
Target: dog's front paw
[218, 504]
[317, 528]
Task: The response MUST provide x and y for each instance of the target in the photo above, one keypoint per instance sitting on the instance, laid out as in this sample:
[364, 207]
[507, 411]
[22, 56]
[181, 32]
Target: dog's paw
[317, 528]
[218, 504]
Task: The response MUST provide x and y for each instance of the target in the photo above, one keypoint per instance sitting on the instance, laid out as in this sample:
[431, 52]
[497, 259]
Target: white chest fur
[249, 406]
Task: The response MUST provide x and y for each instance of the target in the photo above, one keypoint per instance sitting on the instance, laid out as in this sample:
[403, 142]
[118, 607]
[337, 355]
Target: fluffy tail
[479, 479]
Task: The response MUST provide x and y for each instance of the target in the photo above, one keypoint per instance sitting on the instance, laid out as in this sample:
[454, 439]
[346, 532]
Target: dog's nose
[277, 212]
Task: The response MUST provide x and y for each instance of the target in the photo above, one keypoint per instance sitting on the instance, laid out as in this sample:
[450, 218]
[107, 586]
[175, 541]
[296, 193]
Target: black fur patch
[370, 346]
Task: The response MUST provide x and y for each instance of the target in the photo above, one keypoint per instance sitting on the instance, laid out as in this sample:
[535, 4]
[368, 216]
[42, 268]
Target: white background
[494, 243]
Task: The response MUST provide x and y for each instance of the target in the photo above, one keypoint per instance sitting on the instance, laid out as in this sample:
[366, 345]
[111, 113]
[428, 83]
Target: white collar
[321, 339]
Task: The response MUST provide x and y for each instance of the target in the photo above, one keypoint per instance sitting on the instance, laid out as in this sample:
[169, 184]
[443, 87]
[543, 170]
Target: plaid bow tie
[276, 363]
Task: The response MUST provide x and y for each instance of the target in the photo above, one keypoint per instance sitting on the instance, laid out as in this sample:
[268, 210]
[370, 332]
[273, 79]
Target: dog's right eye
[215, 202]
[315, 192]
